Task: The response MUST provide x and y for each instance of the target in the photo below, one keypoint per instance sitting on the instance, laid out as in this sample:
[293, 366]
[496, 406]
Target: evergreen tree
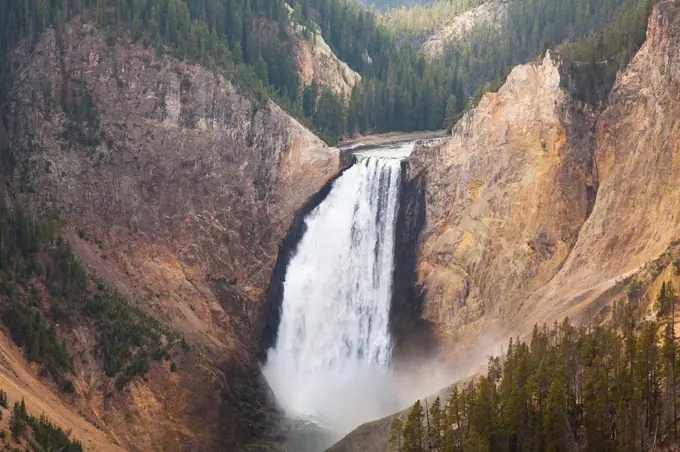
[395, 438]
[434, 433]
[413, 430]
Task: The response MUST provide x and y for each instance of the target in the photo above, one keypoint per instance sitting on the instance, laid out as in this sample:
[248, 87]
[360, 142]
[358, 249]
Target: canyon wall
[177, 187]
[551, 199]
[542, 198]
[506, 197]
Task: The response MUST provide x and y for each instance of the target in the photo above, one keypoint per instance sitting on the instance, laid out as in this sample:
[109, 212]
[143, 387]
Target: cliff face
[544, 203]
[506, 197]
[636, 214]
[317, 62]
[177, 157]
[540, 200]
[178, 190]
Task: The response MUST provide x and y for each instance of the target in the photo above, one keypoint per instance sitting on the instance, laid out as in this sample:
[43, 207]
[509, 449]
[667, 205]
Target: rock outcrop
[178, 189]
[636, 214]
[506, 197]
[317, 62]
[547, 202]
[540, 200]
[488, 14]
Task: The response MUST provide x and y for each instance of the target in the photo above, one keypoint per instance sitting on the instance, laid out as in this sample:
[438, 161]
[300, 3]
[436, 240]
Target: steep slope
[638, 140]
[533, 207]
[177, 190]
[506, 196]
[174, 154]
[315, 61]
[19, 382]
[490, 14]
[545, 204]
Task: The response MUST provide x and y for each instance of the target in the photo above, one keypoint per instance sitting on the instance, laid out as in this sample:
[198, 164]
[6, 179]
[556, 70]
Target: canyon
[551, 199]
[189, 195]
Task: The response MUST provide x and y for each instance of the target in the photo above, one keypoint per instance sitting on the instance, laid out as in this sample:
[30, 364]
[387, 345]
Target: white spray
[331, 362]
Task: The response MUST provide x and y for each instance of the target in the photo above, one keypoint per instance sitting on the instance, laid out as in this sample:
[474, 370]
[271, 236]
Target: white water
[331, 362]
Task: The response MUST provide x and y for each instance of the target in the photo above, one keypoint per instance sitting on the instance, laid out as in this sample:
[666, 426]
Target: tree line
[400, 89]
[46, 436]
[597, 388]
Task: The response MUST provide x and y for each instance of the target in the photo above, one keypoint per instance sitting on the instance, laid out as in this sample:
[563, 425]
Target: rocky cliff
[489, 14]
[540, 200]
[553, 198]
[315, 60]
[635, 216]
[506, 197]
[178, 189]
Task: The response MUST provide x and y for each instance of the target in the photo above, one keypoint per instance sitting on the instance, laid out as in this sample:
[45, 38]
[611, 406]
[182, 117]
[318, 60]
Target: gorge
[258, 275]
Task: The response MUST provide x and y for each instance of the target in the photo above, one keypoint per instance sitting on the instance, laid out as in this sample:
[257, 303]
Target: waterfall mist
[331, 361]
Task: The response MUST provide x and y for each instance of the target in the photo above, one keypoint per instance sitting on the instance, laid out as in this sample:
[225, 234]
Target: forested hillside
[400, 90]
[30, 431]
[611, 388]
[419, 20]
[532, 26]
[43, 285]
[389, 4]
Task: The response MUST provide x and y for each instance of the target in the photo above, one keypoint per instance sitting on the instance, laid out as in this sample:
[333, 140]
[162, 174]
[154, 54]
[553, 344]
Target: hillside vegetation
[43, 285]
[420, 20]
[611, 388]
[34, 433]
[400, 90]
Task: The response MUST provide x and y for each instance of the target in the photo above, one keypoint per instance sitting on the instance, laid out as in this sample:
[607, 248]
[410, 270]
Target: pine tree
[554, 416]
[395, 438]
[453, 423]
[476, 441]
[17, 423]
[413, 429]
[435, 440]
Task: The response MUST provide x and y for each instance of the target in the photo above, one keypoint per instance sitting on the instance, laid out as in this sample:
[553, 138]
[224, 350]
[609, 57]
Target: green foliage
[634, 291]
[395, 438]
[46, 435]
[423, 19]
[126, 337]
[619, 40]
[217, 33]
[68, 387]
[601, 388]
[17, 423]
[121, 328]
[399, 89]
[414, 433]
[50, 437]
[3, 399]
[329, 118]
[30, 330]
[435, 426]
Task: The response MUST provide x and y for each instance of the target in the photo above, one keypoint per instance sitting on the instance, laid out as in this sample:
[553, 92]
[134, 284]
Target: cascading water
[331, 360]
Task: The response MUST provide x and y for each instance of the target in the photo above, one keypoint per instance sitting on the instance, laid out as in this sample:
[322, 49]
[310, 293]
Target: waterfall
[332, 356]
